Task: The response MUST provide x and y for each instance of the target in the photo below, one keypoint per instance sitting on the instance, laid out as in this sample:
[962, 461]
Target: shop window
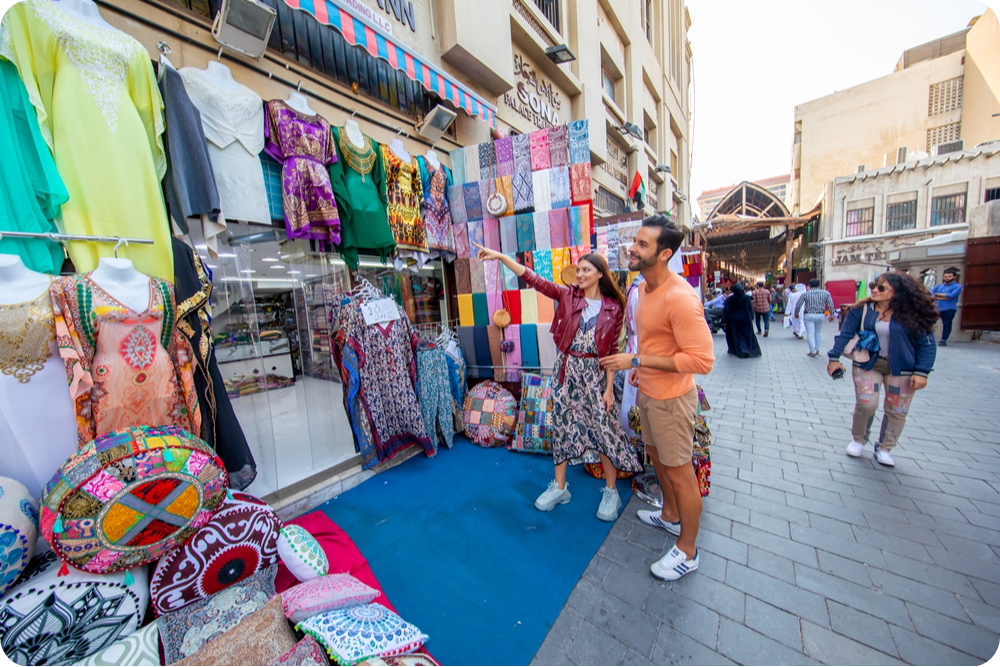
[948, 210]
[272, 184]
[901, 215]
[860, 221]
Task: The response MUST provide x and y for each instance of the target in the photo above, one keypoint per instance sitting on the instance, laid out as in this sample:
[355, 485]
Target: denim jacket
[909, 353]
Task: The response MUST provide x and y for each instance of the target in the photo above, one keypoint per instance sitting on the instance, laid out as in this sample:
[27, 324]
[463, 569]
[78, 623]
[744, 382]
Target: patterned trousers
[898, 395]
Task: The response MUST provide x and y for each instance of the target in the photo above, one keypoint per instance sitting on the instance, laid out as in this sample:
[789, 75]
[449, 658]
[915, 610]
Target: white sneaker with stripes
[674, 565]
[653, 518]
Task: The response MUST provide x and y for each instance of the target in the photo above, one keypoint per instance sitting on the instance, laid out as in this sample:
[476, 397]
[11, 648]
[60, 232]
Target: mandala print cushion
[306, 652]
[139, 649]
[18, 530]
[259, 639]
[301, 553]
[239, 541]
[535, 421]
[328, 593]
[353, 634]
[408, 660]
[489, 414]
[185, 631]
[131, 497]
[62, 620]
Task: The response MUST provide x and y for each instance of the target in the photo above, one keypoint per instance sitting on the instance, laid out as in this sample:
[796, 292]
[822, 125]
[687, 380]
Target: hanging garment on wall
[525, 232]
[460, 231]
[559, 146]
[125, 368]
[543, 263]
[581, 185]
[521, 144]
[456, 203]
[190, 181]
[471, 163]
[436, 210]
[579, 142]
[559, 234]
[463, 276]
[358, 180]
[560, 188]
[349, 365]
[543, 233]
[31, 190]
[473, 202]
[524, 192]
[457, 157]
[540, 150]
[99, 111]
[541, 186]
[508, 235]
[304, 146]
[404, 191]
[491, 233]
[477, 274]
[435, 396]
[529, 306]
[487, 161]
[512, 359]
[233, 118]
[505, 156]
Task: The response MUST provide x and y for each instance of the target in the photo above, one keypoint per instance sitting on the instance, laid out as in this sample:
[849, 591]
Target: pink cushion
[316, 596]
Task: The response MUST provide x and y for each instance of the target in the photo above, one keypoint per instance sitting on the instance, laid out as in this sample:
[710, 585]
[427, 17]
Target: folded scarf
[512, 303]
[525, 232]
[540, 150]
[505, 156]
[467, 341]
[473, 202]
[471, 164]
[524, 192]
[543, 263]
[547, 351]
[463, 276]
[461, 232]
[484, 355]
[541, 185]
[491, 233]
[508, 235]
[466, 316]
[496, 356]
[559, 235]
[543, 239]
[513, 358]
[480, 309]
[477, 274]
[458, 166]
[522, 153]
[529, 346]
[559, 146]
[529, 306]
[559, 189]
[546, 310]
[579, 142]
[456, 203]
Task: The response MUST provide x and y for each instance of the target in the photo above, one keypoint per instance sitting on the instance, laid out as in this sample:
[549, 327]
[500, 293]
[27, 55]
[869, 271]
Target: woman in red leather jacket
[587, 325]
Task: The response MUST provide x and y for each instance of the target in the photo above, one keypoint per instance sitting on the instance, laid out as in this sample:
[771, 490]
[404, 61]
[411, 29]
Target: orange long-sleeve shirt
[670, 321]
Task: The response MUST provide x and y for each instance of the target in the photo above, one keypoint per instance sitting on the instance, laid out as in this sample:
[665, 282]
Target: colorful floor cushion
[47, 619]
[18, 530]
[131, 497]
[535, 420]
[139, 649]
[240, 540]
[328, 593]
[408, 660]
[306, 652]
[353, 634]
[301, 553]
[259, 639]
[489, 414]
[185, 631]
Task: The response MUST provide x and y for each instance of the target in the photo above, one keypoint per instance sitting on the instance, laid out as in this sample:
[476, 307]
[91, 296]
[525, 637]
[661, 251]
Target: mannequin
[397, 147]
[221, 75]
[354, 133]
[119, 278]
[19, 283]
[298, 101]
[432, 157]
[86, 11]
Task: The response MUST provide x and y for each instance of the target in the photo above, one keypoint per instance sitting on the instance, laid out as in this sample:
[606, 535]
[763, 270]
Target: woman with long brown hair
[587, 326]
[895, 328]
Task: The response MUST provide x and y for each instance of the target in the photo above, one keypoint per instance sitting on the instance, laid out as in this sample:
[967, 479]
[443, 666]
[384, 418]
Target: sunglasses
[881, 288]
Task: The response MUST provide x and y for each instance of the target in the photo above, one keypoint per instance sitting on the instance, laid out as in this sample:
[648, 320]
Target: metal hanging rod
[59, 238]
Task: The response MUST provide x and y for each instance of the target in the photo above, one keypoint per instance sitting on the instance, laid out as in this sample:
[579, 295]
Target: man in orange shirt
[674, 344]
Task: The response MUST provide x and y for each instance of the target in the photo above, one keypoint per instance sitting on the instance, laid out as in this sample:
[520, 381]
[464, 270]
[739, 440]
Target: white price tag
[382, 310]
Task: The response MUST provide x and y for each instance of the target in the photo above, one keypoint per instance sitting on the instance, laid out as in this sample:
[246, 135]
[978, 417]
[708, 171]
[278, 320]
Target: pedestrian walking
[795, 293]
[762, 308]
[901, 313]
[588, 324]
[674, 344]
[946, 295]
[816, 304]
[737, 317]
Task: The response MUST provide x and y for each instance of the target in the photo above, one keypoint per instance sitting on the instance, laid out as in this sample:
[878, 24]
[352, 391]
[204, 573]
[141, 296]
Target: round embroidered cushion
[18, 530]
[489, 414]
[301, 553]
[239, 541]
[131, 497]
[47, 619]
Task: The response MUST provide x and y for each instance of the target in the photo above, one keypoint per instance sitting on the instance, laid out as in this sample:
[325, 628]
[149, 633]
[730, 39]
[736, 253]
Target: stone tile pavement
[808, 556]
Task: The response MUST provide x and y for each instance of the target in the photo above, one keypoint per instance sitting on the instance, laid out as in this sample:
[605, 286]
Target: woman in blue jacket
[896, 325]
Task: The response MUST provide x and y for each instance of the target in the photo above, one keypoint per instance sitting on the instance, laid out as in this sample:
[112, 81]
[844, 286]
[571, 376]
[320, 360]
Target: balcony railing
[550, 8]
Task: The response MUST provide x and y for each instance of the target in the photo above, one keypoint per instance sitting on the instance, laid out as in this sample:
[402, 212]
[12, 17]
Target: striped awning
[357, 31]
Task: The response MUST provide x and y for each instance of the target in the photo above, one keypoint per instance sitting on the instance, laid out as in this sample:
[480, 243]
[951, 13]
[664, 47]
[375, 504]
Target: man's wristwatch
[635, 361]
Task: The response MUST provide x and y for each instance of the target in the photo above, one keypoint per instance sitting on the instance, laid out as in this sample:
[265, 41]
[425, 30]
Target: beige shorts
[668, 425]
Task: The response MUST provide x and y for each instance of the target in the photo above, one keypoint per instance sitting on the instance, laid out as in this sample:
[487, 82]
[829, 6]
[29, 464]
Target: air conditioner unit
[949, 147]
[244, 26]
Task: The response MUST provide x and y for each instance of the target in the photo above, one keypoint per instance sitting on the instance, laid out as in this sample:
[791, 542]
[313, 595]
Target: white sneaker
[654, 518]
[674, 565]
[855, 449]
[553, 496]
[611, 502]
[883, 457]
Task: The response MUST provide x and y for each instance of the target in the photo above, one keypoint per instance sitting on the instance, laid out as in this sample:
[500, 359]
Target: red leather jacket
[570, 303]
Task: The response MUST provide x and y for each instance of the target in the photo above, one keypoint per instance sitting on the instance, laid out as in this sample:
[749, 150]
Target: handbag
[865, 343]
[496, 203]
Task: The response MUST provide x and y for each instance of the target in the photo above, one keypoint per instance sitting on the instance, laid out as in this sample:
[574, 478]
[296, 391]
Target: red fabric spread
[512, 303]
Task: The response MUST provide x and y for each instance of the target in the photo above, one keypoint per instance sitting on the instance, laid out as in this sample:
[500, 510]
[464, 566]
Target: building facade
[709, 199]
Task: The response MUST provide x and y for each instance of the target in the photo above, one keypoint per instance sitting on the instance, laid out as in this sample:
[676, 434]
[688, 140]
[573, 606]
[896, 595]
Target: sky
[755, 60]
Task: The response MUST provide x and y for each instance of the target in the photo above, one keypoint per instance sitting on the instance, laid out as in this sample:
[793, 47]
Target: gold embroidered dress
[100, 113]
[403, 191]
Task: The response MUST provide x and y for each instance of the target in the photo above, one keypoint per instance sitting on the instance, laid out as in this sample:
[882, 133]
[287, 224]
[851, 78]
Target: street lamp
[559, 54]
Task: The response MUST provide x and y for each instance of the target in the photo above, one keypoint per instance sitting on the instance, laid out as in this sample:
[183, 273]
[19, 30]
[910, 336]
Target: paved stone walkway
[808, 556]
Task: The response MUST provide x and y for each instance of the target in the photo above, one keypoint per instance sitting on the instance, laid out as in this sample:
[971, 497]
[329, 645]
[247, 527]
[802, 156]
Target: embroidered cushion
[353, 634]
[48, 619]
[535, 421]
[130, 497]
[328, 593]
[407, 660]
[306, 652]
[139, 649]
[240, 540]
[301, 553]
[18, 530]
[259, 639]
[489, 414]
[185, 631]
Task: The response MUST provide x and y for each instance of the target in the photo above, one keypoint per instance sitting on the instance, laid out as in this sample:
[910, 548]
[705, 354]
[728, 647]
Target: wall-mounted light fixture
[436, 123]
[244, 26]
[662, 169]
[559, 54]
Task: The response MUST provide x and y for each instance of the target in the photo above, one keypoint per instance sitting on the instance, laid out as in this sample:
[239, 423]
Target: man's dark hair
[814, 282]
[951, 269]
[671, 236]
[760, 283]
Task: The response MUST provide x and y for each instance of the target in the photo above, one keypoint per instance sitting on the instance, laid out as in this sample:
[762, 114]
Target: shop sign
[616, 165]
[369, 14]
[379, 311]
[873, 252]
[533, 98]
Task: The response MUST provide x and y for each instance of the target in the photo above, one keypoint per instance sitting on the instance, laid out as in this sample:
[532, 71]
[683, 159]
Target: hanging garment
[233, 120]
[456, 203]
[541, 186]
[521, 144]
[543, 234]
[473, 202]
[559, 234]
[540, 150]
[529, 346]
[471, 163]
[559, 146]
[579, 142]
[543, 263]
[463, 276]
[466, 315]
[37, 415]
[358, 179]
[581, 186]
[525, 232]
[457, 369]
[505, 156]
[303, 145]
[435, 396]
[529, 305]
[508, 235]
[491, 234]
[125, 368]
[487, 161]
[404, 191]
[460, 231]
[436, 210]
[99, 111]
[457, 157]
[524, 192]
[346, 358]
[512, 359]
[477, 274]
[559, 187]
[190, 181]
[31, 190]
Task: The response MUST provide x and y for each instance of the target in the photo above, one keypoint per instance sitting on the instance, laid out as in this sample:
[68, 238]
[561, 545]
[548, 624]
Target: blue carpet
[462, 553]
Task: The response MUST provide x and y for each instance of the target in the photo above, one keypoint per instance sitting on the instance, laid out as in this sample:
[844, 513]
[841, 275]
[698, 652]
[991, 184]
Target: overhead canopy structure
[749, 200]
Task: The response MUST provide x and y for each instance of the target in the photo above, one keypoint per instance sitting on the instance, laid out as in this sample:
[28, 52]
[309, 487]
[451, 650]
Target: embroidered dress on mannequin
[99, 110]
[404, 191]
[233, 118]
[125, 368]
[304, 146]
[436, 209]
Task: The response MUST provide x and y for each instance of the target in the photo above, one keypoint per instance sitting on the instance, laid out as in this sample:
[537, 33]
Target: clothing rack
[59, 238]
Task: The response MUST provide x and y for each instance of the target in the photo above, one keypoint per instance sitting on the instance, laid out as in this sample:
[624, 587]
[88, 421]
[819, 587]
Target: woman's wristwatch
[635, 361]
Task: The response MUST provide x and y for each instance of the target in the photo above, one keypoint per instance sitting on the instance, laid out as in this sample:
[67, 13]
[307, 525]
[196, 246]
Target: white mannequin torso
[18, 283]
[221, 75]
[397, 147]
[86, 11]
[354, 132]
[298, 101]
[432, 157]
[119, 278]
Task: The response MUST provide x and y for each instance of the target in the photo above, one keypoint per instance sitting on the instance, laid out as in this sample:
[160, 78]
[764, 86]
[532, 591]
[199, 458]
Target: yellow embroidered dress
[403, 191]
[100, 113]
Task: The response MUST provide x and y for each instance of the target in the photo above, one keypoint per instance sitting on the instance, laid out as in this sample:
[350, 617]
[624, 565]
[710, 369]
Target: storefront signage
[379, 311]
[402, 10]
[533, 98]
[616, 165]
[873, 252]
[369, 14]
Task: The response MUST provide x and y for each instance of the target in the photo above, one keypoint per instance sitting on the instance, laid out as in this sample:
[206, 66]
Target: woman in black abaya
[737, 315]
